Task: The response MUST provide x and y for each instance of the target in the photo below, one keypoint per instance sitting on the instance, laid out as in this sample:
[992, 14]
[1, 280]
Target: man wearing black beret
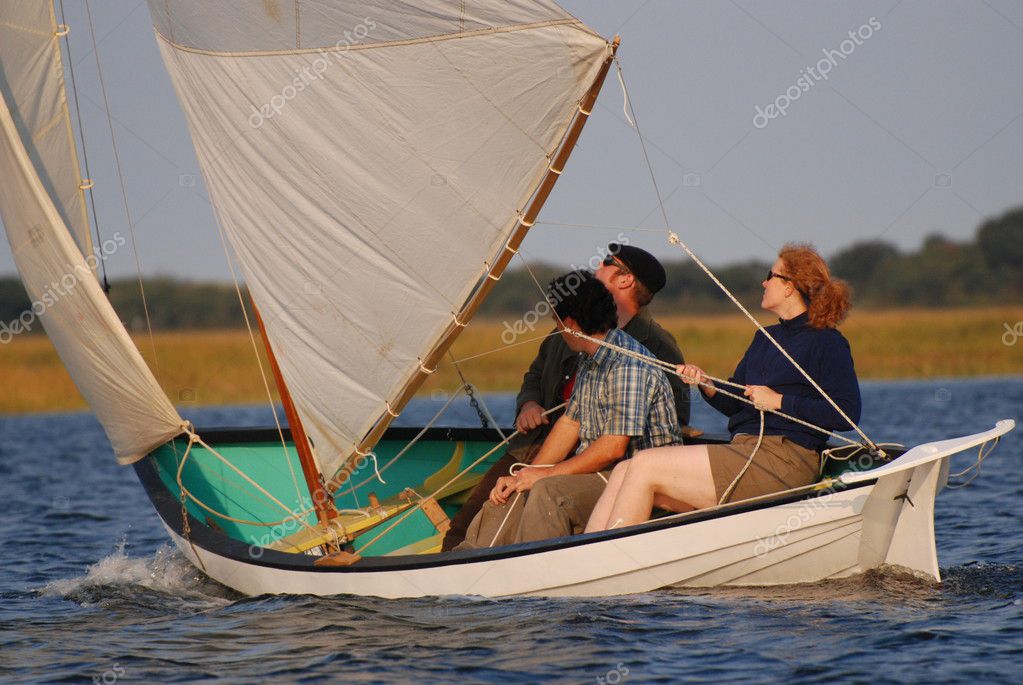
[633, 276]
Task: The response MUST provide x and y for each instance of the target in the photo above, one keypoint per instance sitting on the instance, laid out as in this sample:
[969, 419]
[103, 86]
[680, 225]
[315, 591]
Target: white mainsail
[59, 280]
[368, 161]
[32, 83]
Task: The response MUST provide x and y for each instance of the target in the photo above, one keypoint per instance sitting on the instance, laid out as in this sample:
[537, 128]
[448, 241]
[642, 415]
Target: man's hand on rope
[527, 478]
[506, 486]
[530, 416]
[763, 397]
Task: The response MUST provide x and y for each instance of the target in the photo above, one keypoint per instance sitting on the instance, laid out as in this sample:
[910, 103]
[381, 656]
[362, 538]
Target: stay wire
[85, 153]
[120, 178]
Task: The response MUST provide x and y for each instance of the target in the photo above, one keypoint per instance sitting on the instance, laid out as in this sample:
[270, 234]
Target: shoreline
[218, 368]
[85, 411]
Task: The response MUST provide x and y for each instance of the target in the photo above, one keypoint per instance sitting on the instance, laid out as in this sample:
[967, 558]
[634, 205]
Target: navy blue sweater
[824, 354]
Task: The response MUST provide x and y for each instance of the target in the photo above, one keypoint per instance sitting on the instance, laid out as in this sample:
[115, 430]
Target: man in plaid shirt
[619, 405]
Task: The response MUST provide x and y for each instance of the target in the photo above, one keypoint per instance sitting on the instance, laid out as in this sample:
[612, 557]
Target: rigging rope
[671, 368]
[504, 347]
[756, 448]
[512, 470]
[193, 438]
[120, 178]
[975, 466]
[404, 450]
[458, 475]
[606, 227]
[85, 154]
[259, 359]
[674, 239]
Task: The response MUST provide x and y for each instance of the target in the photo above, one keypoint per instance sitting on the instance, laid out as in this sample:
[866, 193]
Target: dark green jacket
[555, 362]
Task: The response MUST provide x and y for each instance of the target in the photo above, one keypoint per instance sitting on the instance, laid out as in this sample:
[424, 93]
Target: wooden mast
[430, 362]
[323, 503]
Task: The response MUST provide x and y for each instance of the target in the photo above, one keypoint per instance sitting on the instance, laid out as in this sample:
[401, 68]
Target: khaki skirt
[780, 464]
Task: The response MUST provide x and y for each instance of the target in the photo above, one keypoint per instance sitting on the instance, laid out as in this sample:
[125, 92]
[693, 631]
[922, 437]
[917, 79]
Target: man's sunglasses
[611, 260]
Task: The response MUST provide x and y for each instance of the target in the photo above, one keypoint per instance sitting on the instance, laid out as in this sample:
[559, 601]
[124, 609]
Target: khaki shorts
[780, 464]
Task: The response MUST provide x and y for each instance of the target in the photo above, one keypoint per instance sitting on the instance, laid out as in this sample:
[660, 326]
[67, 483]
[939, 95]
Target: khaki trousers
[556, 506]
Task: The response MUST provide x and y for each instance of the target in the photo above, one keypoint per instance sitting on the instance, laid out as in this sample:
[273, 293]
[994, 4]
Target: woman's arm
[839, 381]
[729, 406]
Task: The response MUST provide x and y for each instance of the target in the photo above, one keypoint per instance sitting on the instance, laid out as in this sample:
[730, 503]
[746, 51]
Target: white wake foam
[166, 571]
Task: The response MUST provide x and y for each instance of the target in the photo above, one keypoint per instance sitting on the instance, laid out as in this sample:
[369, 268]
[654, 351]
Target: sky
[915, 128]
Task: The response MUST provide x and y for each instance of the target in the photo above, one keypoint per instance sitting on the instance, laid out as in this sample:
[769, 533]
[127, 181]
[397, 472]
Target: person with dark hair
[619, 405]
[810, 304]
[633, 276]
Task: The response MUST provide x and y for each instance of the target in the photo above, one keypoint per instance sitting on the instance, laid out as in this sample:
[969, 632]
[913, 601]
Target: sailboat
[374, 167]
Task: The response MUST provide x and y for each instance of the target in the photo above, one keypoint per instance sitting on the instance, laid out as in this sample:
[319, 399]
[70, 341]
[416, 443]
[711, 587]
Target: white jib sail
[92, 343]
[32, 83]
[367, 161]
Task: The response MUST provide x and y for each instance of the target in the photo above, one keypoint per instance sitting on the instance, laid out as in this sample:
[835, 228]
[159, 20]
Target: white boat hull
[883, 518]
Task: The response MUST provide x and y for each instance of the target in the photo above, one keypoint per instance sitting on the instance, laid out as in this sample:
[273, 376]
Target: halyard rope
[674, 239]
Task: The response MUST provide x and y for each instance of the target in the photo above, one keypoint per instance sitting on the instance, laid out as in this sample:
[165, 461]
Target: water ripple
[92, 591]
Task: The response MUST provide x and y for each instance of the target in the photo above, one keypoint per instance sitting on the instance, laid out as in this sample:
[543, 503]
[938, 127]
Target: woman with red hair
[767, 452]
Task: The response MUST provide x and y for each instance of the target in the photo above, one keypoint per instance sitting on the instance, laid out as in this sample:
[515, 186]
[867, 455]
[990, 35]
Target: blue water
[90, 591]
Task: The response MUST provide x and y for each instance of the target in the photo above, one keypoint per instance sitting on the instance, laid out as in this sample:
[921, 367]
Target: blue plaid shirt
[618, 395]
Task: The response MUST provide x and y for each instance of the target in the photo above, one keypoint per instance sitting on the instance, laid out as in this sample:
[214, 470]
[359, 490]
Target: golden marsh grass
[219, 367]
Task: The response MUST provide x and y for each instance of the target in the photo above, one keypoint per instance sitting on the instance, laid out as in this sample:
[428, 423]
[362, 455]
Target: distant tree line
[942, 273]
[173, 304]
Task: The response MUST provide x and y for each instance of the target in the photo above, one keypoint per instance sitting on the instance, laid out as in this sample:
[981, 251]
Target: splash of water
[165, 572]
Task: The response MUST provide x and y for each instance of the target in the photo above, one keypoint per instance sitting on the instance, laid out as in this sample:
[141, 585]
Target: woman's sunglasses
[771, 274]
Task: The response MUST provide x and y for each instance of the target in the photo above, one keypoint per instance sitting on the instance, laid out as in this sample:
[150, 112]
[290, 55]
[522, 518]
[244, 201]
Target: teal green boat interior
[232, 504]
